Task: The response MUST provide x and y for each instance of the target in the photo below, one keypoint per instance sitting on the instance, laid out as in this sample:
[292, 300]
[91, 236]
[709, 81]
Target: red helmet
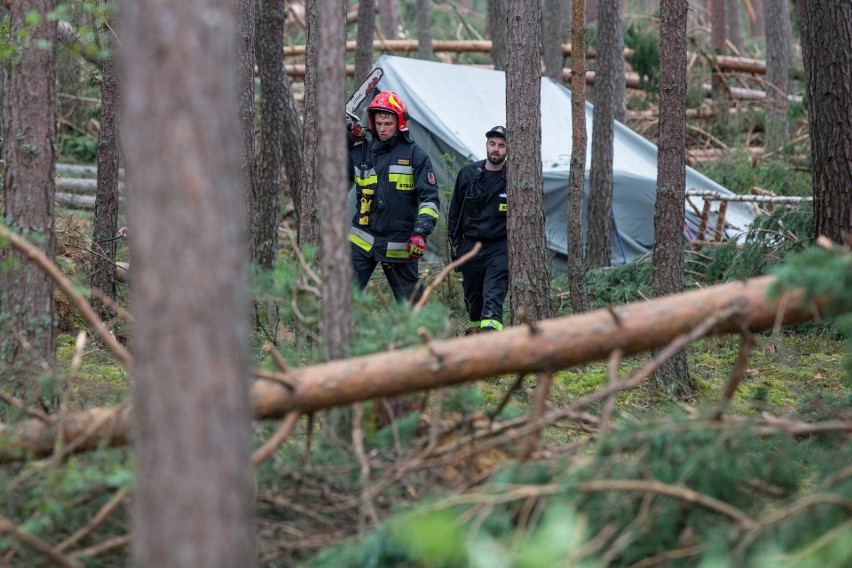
[388, 101]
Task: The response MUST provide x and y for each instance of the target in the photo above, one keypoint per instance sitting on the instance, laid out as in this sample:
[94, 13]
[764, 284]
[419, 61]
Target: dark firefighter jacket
[396, 196]
[478, 209]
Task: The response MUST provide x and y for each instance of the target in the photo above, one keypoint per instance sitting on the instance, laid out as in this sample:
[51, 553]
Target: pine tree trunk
[3, 13]
[826, 29]
[757, 25]
[718, 36]
[424, 30]
[551, 39]
[106, 197]
[364, 40]
[308, 192]
[27, 304]
[389, 18]
[609, 103]
[529, 280]
[497, 29]
[778, 40]
[335, 251]
[577, 175]
[245, 88]
[270, 63]
[733, 17]
[193, 502]
[673, 378]
[555, 344]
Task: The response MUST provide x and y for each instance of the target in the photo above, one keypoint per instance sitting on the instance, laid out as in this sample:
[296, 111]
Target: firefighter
[397, 200]
[478, 213]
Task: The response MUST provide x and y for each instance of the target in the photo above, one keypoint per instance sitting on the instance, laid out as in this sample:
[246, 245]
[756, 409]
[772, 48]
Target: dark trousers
[485, 279]
[403, 277]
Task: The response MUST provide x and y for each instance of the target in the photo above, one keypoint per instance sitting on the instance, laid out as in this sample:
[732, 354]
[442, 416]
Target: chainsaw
[357, 99]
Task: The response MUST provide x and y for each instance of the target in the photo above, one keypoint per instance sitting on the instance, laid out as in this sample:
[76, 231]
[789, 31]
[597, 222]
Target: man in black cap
[478, 213]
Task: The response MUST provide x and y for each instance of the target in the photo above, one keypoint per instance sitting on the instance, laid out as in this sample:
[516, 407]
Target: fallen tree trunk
[83, 186]
[75, 201]
[544, 346]
[438, 45]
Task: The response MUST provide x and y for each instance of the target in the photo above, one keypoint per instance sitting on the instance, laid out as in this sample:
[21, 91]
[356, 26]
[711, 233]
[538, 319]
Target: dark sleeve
[428, 199]
[454, 216]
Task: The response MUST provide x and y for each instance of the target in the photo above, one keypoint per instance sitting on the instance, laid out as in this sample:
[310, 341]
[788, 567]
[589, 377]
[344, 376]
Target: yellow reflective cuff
[359, 242]
[503, 207]
[491, 323]
[428, 211]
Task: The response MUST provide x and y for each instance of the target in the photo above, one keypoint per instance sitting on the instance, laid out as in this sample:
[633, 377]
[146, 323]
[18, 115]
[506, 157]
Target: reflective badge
[430, 177]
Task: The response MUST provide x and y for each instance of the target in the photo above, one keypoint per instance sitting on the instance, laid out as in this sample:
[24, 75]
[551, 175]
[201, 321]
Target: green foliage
[739, 174]
[5, 45]
[767, 243]
[81, 149]
[52, 502]
[406, 427]
[289, 315]
[537, 515]
[619, 284]
[91, 22]
[644, 40]
[826, 274]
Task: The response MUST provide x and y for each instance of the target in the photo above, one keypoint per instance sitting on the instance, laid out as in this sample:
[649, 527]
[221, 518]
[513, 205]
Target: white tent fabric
[452, 106]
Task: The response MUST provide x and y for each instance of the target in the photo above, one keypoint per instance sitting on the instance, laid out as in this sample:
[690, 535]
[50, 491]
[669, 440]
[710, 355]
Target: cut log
[75, 201]
[79, 171]
[549, 345]
[82, 186]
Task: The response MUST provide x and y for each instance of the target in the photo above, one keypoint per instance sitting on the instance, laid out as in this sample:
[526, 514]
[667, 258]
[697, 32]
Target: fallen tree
[536, 347]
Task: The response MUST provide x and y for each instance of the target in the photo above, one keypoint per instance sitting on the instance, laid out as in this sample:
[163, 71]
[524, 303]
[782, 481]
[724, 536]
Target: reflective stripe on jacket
[396, 196]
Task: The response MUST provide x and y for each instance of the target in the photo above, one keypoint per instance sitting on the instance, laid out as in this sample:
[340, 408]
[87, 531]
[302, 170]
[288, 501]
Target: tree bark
[106, 197]
[308, 191]
[335, 251]
[733, 18]
[27, 305]
[245, 89]
[609, 106]
[718, 35]
[551, 39]
[270, 64]
[496, 21]
[424, 30]
[669, 212]
[194, 492]
[826, 30]
[757, 25]
[3, 12]
[389, 18]
[778, 42]
[529, 281]
[364, 40]
[554, 344]
[577, 174]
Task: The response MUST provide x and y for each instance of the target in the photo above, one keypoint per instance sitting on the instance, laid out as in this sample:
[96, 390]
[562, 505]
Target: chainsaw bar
[362, 92]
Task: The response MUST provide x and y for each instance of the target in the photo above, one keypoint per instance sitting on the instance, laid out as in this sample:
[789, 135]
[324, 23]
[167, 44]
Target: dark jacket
[396, 196]
[477, 211]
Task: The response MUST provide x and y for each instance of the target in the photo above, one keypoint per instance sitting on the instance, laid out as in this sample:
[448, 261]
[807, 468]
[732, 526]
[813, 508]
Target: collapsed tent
[452, 106]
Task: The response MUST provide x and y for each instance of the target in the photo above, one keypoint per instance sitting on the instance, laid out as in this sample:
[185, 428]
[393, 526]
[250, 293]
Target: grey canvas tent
[452, 106]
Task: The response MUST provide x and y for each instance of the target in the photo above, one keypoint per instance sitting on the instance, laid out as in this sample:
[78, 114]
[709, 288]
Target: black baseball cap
[497, 131]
